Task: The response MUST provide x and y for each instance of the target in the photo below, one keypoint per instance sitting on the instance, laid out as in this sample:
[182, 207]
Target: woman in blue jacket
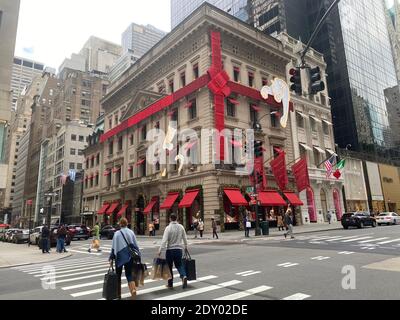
[123, 239]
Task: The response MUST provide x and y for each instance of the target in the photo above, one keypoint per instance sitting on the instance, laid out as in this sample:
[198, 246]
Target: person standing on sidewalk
[201, 227]
[45, 239]
[281, 225]
[329, 216]
[120, 252]
[61, 235]
[96, 239]
[247, 226]
[289, 223]
[214, 227]
[175, 241]
[151, 229]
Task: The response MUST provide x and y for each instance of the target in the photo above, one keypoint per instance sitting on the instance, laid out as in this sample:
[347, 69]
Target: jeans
[290, 232]
[215, 234]
[128, 271]
[247, 233]
[45, 245]
[174, 256]
[61, 245]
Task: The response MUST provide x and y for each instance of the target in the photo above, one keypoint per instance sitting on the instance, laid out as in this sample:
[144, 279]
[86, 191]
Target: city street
[306, 268]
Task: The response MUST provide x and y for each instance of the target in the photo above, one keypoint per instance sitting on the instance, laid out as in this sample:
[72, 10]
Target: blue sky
[50, 30]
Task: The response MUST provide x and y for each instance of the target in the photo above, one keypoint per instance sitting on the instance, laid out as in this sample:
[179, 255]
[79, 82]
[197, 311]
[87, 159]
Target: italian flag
[339, 166]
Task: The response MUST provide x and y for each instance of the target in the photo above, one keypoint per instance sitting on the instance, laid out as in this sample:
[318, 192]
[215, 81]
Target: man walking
[45, 239]
[175, 241]
[214, 228]
[289, 223]
[329, 216]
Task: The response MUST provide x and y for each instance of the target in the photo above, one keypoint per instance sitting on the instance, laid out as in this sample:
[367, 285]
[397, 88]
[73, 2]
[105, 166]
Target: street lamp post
[49, 197]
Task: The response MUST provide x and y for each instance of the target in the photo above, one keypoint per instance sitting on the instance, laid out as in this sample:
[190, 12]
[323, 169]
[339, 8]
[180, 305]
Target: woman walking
[201, 227]
[124, 240]
[281, 225]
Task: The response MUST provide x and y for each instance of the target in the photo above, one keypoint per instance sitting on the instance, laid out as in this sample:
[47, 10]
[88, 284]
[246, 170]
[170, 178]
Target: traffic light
[316, 83]
[258, 149]
[295, 80]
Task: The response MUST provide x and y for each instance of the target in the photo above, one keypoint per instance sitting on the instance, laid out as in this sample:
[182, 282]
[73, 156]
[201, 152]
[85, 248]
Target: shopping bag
[157, 269]
[110, 286]
[96, 244]
[190, 266]
[166, 272]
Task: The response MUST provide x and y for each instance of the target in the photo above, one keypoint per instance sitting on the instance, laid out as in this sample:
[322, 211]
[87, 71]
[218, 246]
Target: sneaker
[184, 283]
[89, 250]
[285, 235]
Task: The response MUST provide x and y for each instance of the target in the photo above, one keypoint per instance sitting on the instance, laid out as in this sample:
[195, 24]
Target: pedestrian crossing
[83, 278]
[361, 241]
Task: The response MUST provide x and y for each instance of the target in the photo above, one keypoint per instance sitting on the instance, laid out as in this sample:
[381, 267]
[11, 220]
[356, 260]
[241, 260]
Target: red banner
[300, 172]
[279, 171]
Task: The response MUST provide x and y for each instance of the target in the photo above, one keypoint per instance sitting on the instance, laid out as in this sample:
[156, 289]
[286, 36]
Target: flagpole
[294, 161]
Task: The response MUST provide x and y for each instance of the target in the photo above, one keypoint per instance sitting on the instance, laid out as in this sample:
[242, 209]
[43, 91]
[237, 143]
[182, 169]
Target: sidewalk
[238, 236]
[13, 255]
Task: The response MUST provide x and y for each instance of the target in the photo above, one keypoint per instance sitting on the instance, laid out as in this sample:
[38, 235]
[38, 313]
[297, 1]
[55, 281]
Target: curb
[32, 263]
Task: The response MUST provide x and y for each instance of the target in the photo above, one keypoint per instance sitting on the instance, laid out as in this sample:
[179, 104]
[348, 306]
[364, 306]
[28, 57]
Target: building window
[236, 74]
[120, 142]
[85, 103]
[174, 115]
[171, 86]
[92, 162]
[192, 110]
[72, 152]
[72, 165]
[98, 159]
[183, 79]
[142, 169]
[253, 114]
[157, 126]
[110, 123]
[116, 119]
[274, 120]
[157, 166]
[196, 71]
[91, 182]
[313, 125]
[109, 177]
[143, 133]
[79, 166]
[81, 139]
[73, 137]
[251, 79]
[130, 172]
[97, 179]
[87, 163]
[325, 127]
[110, 148]
[230, 109]
[80, 152]
[316, 157]
[264, 82]
[131, 139]
[300, 121]
[118, 176]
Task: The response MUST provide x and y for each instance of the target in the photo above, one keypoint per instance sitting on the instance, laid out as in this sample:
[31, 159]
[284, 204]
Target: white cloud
[57, 28]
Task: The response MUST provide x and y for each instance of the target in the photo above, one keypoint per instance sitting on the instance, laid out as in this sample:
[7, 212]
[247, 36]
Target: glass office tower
[181, 9]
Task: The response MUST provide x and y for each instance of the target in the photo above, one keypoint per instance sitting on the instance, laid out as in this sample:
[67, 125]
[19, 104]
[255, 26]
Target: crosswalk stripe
[297, 296]
[374, 240]
[320, 258]
[288, 265]
[389, 241]
[81, 270]
[89, 292]
[244, 272]
[79, 278]
[245, 294]
[356, 239]
[340, 238]
[104, 269]
[200, 291]
[161, 288]
[54, 263]
[74, 268]
[251, 274]
[85, 252]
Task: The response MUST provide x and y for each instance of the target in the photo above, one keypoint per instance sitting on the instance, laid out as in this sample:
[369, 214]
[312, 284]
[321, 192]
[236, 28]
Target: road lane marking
[389, 241]
[251, 274]
[200, 291]
[373, 240]
[297, 296]
[320, 258]
[288, 265]
[341, 238]
[346, 252]
[356, 239]
[245, 294]
[244, 272]
[85, 252]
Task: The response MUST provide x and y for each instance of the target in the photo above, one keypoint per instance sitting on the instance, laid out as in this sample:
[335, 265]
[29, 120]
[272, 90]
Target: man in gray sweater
[175, 241]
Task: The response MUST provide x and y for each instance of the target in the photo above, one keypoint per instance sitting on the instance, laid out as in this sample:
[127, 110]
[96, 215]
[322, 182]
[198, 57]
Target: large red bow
[219, 82]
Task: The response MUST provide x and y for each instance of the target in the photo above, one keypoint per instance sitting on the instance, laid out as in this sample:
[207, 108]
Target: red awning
[293, 199]
[103, 209]
[150, 206]
[189, 198]
[122, 211]
[233, 101]
[140, 162]
[170, 200]
[112, 209]
[236, 197]
[256, 108]
[271, 199]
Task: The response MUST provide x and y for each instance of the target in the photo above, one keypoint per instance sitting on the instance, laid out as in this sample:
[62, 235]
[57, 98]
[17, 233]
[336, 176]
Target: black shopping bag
[110, 286]
[190, 266]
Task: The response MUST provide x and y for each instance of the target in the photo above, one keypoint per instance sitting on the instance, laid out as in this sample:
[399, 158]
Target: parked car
[35, 234]
[9, 234]
[358, 219]
[389, 218]
[79, 232]
[108, 232]
[20, 236]
[53, 238]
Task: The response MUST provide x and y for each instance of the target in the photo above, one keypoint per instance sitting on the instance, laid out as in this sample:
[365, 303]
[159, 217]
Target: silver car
[20, 236]
[388, 218]
[35, 234]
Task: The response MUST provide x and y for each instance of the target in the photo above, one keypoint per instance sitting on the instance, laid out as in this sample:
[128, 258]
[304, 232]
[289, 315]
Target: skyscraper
[356, 46]
[393, 24]
[139, 39]
[181, 9]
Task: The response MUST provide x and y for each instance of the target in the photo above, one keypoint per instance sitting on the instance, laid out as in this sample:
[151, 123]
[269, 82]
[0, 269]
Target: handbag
[190, 266]
[134, 252]
[110, 285]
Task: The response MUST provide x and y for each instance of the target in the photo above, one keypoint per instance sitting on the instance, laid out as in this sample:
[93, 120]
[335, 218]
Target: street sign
[250, 190]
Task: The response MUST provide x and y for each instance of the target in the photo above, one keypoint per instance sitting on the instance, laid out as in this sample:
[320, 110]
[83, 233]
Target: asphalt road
[310, 267]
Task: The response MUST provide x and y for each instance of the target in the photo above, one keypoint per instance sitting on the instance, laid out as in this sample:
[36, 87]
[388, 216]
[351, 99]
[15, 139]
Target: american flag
[329, 164]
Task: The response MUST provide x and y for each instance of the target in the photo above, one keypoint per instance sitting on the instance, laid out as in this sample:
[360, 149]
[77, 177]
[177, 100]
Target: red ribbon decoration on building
[279, 170]
[300, 171]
